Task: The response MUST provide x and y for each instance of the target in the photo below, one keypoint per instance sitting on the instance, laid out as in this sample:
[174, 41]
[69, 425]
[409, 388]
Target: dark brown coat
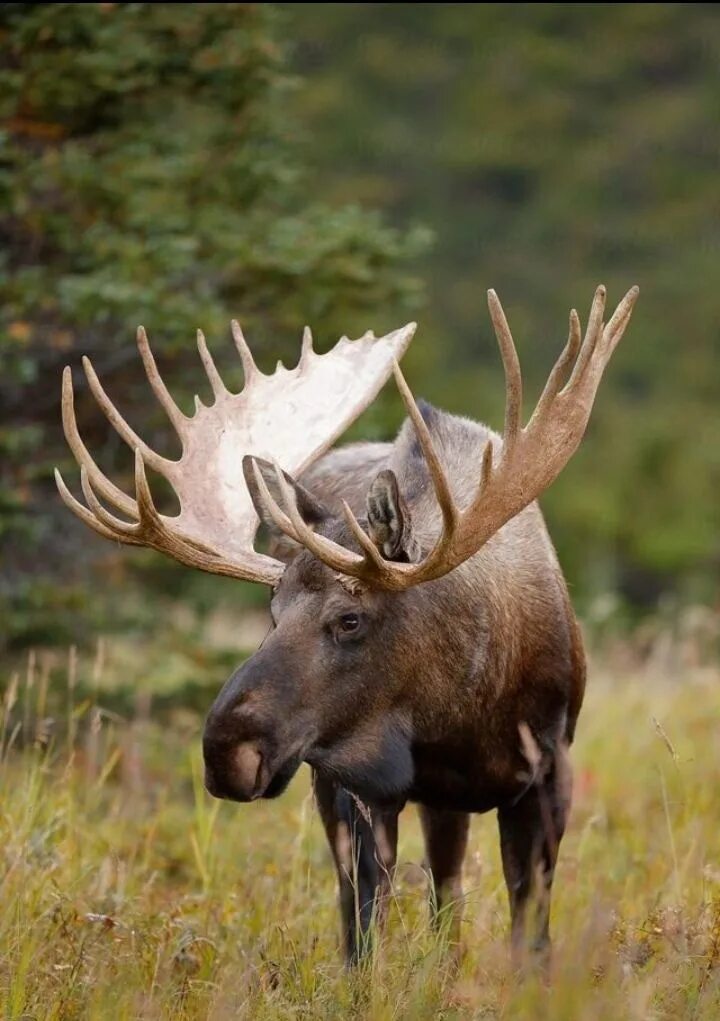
[460, 694]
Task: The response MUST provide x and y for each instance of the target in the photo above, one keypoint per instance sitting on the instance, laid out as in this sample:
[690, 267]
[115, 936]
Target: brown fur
[428, 702]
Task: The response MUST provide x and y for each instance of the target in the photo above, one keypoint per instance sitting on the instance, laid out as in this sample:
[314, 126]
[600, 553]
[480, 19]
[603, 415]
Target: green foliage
[149, 173]
[549, 147]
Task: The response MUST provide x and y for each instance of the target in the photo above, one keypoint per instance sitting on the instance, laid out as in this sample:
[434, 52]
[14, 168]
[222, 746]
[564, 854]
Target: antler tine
[105, 487]
[149, 516]
[372, 553]
[168, 539]
[218, 387]
[511, 365]
[250, 369]
[437, 473]
[613, 332]
[331, 553]
[289, 503]
[291, 524]
[121, 427]
[306, 351]
[279, 517]
[173, 412]
[593, 332]
[558, 375]
[100, 512]
[86, 516]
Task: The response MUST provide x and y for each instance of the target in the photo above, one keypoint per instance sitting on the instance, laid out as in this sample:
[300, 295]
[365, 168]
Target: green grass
[126, 892]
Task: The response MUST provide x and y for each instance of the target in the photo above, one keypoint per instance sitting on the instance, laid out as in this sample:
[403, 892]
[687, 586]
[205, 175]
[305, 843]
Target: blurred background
[354, 166]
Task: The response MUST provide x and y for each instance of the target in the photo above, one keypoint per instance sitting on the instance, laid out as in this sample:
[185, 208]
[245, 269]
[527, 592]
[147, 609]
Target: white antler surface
[291, 417]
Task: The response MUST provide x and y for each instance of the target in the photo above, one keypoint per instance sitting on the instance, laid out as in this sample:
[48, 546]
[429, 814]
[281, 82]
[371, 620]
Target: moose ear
[389, 520]
[311, 509]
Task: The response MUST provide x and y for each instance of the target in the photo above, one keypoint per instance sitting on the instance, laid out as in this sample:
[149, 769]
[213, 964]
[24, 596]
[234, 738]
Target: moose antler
[292, 416]
[530, 459]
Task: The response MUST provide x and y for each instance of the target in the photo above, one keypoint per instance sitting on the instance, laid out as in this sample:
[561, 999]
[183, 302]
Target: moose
[423, 647]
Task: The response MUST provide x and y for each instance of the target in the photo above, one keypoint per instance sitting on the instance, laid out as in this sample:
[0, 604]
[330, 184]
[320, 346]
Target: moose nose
[247, 768]
[236, 771]
[235, 754]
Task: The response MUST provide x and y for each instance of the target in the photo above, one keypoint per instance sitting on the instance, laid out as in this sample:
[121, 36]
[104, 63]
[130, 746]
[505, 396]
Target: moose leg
[446, 836]
[364, 846]
[385, 831]
[530, 833]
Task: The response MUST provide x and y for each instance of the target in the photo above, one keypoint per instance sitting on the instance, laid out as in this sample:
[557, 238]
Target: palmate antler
[530, 460]
[292, 417]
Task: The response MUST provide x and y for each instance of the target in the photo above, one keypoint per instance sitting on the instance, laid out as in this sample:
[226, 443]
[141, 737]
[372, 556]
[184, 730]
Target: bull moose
[423, 647]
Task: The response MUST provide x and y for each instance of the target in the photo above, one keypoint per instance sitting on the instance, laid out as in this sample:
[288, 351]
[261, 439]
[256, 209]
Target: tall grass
[127, 893]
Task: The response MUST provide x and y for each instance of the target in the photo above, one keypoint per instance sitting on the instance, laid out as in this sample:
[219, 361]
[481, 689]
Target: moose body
[426, 700]
[423, 645]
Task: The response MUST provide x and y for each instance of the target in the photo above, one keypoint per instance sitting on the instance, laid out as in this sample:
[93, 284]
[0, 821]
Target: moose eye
[348, 627]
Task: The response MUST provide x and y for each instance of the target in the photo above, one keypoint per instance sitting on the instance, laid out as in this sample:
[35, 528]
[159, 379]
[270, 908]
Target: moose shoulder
[423, 645]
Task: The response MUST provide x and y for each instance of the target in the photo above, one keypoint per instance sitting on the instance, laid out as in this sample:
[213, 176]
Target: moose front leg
[446, 836]
[530, 833]
[363, 843]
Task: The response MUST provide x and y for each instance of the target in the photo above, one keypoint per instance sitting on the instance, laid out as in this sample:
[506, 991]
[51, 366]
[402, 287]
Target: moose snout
[252, 743]
[235, 771]
[235, 754]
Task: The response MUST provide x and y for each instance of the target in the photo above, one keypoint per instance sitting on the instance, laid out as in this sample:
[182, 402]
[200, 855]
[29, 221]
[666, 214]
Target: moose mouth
[282, 778]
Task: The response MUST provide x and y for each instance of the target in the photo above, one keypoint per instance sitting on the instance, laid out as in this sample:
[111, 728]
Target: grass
[128, 893]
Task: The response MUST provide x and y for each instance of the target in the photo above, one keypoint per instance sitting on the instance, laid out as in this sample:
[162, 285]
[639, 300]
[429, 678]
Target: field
[128, 893]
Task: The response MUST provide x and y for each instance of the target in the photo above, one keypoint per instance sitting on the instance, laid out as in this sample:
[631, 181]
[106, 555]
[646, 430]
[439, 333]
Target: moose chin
[423, 647]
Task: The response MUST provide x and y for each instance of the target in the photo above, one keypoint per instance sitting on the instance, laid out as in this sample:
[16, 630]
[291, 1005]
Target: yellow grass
[128, 893]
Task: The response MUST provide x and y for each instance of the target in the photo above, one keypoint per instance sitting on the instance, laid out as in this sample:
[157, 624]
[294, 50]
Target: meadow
[351, 166]
[128, 893]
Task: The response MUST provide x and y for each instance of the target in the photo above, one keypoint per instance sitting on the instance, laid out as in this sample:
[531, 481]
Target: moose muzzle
[235, 770]
[252, 744]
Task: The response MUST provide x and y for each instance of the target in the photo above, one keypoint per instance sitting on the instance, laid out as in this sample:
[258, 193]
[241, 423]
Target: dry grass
[127, 893]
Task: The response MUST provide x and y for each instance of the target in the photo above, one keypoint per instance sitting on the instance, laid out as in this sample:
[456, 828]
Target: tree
[149, 173]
